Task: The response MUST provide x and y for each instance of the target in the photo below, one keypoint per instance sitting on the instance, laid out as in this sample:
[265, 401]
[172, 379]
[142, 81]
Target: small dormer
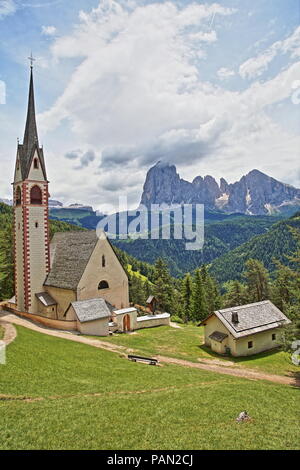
[36, 170]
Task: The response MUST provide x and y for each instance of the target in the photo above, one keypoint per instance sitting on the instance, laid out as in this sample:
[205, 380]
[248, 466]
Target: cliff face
[255, 193]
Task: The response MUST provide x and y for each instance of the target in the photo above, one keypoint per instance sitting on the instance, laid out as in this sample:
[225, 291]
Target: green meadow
[57, 394]
[187, 341]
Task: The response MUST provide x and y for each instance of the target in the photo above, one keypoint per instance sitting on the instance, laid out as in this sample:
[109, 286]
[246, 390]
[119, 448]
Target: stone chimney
[234, 317]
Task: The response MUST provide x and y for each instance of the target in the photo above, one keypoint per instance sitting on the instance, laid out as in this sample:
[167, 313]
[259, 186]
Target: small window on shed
[250, 344]
[273, 336]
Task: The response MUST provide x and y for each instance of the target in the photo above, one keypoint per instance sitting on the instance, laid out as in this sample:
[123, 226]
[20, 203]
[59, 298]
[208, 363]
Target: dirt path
[10, 332]
[237, 372]
[10, 318]
[121, 350]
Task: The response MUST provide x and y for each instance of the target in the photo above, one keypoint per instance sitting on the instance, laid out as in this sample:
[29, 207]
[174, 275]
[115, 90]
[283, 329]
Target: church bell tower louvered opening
[31, 228]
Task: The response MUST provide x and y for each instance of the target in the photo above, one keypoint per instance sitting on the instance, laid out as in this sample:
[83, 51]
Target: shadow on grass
[266, 354]
[270, 355]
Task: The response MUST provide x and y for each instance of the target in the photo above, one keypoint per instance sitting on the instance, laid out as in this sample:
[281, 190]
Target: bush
[177, 319]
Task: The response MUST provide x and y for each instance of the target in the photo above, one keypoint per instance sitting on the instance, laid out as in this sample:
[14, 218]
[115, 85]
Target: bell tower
[31, 229]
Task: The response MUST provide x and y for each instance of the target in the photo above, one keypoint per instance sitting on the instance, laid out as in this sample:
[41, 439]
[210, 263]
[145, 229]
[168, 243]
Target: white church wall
[117, 293]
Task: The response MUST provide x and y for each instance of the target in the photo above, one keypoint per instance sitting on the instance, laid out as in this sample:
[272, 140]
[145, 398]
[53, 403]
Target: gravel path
[237, 372]
[10, 332]
[7, 319]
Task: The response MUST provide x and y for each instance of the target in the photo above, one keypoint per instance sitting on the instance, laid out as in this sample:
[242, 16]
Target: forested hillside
[220, 238]
[277, 244]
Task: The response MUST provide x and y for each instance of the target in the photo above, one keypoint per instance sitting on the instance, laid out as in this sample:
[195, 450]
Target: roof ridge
[240, 307]
[89, 300]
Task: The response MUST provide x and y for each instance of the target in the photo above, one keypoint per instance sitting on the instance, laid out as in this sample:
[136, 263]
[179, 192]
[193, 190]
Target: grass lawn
[187, 343]
[136, 406]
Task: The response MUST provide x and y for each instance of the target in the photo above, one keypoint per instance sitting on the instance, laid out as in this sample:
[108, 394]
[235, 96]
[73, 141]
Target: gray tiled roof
[252, 318]
[46, 299]
[218, 336]
[92, 309]
[70, 253]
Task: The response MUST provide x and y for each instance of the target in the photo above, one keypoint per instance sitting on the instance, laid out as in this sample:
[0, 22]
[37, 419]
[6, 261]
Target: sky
[212, 87]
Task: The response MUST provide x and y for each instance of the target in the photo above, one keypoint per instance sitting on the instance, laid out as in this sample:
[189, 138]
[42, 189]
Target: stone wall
[49, 322]
[94, 328]
[149, 321]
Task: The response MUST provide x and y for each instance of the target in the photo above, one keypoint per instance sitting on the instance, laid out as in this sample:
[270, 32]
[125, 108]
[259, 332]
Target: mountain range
[254, 194]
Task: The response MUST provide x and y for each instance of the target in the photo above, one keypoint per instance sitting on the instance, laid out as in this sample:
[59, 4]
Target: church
[76, 281]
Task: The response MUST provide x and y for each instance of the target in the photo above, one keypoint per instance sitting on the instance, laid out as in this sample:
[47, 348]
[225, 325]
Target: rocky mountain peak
[224, 186]
[255, 193]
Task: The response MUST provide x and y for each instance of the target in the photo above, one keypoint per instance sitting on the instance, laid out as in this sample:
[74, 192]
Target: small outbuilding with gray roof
[92, 316]
[244, 330]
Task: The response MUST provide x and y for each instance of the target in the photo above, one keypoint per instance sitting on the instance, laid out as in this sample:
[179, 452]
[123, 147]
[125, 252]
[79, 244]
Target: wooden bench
[146, 360]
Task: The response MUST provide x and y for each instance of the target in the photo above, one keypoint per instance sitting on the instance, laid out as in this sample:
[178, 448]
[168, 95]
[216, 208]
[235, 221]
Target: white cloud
[210, 36]
[48, 30]
[85, 158]
[7, 7]
[224, 73]
[137, 96]
[256, 66]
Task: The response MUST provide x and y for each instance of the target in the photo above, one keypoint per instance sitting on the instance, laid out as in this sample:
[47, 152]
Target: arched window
[103, 261]
[18, 196]
[35, 195]
[35, 164]
[103, 285]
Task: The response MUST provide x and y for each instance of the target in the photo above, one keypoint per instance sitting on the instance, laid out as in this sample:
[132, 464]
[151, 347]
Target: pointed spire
[31, 141]
[30, 135]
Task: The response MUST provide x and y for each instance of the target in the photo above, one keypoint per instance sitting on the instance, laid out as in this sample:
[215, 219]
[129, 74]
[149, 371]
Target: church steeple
[30, 134]
[30, 146]
[31, 225]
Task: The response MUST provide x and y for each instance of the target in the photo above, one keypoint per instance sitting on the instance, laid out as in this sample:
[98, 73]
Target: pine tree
[187, 290]
[257, 281]
[163, 288]
[199, 305]
[283, 286]
[148, 289]
[6, 260]
[236, 294]
[211, 292]
[138, 293]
